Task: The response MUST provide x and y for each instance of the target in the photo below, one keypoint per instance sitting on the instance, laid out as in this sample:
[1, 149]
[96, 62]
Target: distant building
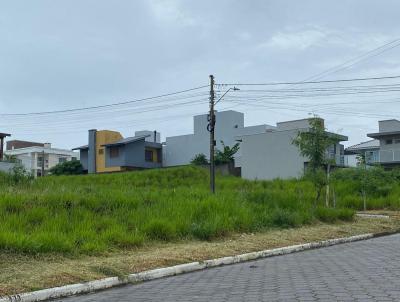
[17, 144]
[2, 137]
[108, 151]
[369, 150]
[39, 159]
[272, 154]
[388, 136]
[4, 166]
[180, 150]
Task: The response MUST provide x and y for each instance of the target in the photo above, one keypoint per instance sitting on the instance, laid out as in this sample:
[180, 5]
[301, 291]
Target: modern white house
[180, 150]
[38, 158]
[384, 148]
[272, 154]
[266, 152]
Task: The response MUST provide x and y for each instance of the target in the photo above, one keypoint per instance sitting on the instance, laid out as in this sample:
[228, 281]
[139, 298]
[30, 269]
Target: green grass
[92, 214]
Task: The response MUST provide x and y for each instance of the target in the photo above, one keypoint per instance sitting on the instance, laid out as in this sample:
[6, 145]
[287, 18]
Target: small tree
[18, 174]
[314, 145]
[72, 167]
[199, 160]
[227, 154]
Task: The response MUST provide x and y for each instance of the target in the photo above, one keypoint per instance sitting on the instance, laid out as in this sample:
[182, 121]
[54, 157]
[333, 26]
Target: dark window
[389, 142]
[148, 155]
[101, 151]
[62, 160]
[114, 152]
[73, 158]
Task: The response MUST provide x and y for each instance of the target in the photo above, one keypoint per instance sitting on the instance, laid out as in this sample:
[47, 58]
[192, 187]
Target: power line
[103, 106]
[310, 82]
[355, 60]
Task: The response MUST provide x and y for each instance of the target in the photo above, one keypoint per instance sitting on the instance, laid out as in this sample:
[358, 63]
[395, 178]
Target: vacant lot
[60, 230]
[22, 273]
[92, 214]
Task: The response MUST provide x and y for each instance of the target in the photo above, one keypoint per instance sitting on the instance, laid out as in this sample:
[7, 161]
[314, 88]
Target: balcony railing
[386, 156]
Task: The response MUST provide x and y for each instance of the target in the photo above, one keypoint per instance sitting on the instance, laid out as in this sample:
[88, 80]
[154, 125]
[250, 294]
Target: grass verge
[21, 273]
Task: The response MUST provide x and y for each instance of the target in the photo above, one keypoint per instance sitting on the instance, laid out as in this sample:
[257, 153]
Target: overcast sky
[57, 55]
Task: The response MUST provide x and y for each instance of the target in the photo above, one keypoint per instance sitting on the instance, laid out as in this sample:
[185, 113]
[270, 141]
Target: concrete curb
[379, 216]
[87, 287]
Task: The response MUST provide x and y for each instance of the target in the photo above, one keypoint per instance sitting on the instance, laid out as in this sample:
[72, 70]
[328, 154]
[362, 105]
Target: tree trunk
[327, 185]
[334, 197]
[364, 195]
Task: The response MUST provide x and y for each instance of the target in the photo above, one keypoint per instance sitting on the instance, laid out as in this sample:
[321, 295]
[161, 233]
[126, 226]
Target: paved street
[360, 271]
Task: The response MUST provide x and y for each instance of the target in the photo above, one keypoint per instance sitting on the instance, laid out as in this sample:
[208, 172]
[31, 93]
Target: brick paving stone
[359, 271]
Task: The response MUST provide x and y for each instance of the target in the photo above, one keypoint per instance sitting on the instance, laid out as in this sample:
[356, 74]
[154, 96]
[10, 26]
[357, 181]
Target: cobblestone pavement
[360, 271]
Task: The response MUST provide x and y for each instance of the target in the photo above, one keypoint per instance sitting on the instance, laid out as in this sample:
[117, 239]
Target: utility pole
[211, 129]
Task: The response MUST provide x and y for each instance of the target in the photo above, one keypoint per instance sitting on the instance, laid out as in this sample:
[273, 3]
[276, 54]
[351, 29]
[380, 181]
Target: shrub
[73, 167]
[199, 160]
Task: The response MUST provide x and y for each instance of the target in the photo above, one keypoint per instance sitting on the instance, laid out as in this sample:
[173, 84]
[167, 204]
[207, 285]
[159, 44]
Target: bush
[199, 160]
[73, 167]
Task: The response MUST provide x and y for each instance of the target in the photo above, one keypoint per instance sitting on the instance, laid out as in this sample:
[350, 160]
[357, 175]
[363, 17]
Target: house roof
[382, 134]
[81, 147]
[371, 144]
[127, 140]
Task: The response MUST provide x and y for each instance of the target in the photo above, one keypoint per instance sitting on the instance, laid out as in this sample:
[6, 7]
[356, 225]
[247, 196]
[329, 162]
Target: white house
[272, 154]
[32, 157]
[180, 150]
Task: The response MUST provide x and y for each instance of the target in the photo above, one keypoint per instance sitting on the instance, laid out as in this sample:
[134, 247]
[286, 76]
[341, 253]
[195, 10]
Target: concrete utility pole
[211, 129]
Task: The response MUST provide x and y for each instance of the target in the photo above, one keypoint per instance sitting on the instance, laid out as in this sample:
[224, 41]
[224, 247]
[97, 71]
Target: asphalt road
[360, 271]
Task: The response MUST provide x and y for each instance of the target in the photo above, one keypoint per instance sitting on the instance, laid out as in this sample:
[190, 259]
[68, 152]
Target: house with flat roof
[180, 150]
[272, 154]
[40, 159]
[388, 136]
[108, 151]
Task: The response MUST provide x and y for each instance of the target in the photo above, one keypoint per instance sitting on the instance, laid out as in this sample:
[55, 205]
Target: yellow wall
[105, 137]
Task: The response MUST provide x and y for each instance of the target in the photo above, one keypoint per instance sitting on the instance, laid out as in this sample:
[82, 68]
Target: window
[388, 142]
[101, 151]
[396, 141]
[73, 158]
[148, 155]
[39, 161]
[114, 152]
[62, 160]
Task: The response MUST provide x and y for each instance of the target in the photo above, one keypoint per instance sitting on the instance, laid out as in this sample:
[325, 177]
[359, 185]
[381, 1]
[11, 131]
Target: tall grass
[96, 213]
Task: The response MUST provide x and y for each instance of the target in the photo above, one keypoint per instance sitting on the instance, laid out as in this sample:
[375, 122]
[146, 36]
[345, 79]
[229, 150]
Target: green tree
[72, 167]
[199, 160]
[313, 144]
[227, 154]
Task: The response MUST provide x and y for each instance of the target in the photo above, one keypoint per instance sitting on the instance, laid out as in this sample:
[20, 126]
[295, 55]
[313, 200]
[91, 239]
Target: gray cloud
[66, 54]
